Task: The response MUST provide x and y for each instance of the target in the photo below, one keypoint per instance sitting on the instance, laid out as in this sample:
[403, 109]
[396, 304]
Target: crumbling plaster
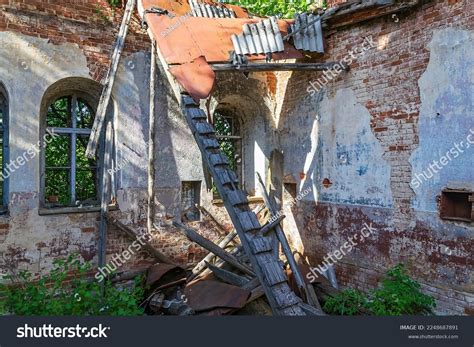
[28, 68]
[446, 119]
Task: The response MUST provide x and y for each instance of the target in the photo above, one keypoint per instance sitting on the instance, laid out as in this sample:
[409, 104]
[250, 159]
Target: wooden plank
[287, 298]
[312, 300]
[226, 176]
[256, 293]
[210, 143]
[212, 247]
[197, 114]
[260, 244]
[109, 82]
[237, 197]
[272, 272]
[202, 264]
[204, 128]
[227, 276]
[105, 194]
[218, 159]
[249, 221]
[271, 226]
[147, 245]
[151, 141]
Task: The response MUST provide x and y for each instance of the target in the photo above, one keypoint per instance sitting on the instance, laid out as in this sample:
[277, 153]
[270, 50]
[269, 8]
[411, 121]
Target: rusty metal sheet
[196, 77]
[209, 295]
[163, 273]
[195, 42]
[182, 41]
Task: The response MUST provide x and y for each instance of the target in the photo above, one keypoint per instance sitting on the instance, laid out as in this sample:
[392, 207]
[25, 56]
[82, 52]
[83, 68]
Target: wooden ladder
[259, 248]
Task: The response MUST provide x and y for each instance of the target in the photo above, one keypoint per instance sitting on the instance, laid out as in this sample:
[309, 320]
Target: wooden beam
[105, 194]
[271, 226]
[212, 247]
[202, 264]
[358, 11]
[309, 297]
[109, 82]
[147, 245]
[151, 140]
[257, 67]
[227, 276]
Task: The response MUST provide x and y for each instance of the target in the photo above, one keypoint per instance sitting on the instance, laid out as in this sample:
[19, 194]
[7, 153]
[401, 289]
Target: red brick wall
[91, 24]
[384, 80]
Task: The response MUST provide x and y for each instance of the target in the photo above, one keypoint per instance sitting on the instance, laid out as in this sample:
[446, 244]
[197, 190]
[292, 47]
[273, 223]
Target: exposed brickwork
[385, 81]
[91, 24]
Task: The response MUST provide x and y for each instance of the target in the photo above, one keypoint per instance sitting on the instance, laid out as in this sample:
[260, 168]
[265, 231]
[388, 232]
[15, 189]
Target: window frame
[74, 96]
[236, 138]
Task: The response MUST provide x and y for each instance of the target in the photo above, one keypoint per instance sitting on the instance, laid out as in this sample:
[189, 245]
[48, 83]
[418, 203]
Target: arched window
[70, 178]
[3, 149]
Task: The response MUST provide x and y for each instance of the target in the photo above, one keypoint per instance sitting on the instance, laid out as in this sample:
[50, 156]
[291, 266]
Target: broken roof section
[189, 43]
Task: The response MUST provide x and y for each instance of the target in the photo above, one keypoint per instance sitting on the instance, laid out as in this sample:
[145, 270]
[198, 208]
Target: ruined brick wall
[47, 46]
[91, 24]
[365, 134]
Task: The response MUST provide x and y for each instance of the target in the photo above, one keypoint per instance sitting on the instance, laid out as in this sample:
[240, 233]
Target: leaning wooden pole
[151, 140]
[109, 82]
[305, 290]
[105, 194]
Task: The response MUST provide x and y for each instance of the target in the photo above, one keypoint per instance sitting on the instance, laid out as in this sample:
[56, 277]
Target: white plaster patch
[446, 116]
[352, 157]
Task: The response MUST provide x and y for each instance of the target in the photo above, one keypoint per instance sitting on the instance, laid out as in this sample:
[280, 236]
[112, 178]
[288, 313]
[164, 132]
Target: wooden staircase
[259, 248]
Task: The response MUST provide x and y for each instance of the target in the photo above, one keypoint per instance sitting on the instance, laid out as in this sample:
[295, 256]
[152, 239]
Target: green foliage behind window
[59, 154]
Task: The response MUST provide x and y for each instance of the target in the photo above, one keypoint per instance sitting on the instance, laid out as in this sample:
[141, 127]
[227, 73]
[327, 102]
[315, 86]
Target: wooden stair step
[237, 197]
[260, 245]
[249, 221]
[197, 114]
[210, 143]
[189, 101]
[218, 159]
[204, 128]
[273, 272]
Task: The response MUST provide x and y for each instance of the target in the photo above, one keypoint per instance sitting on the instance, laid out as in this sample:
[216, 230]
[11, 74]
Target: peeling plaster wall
[28, 67]
[446, 125]
[349, 153]
[361, 140]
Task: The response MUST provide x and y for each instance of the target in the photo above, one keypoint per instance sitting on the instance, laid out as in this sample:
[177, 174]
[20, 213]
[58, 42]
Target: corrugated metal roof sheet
[259, 38]
[210, 10]
[189, 44]
[311, 38]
